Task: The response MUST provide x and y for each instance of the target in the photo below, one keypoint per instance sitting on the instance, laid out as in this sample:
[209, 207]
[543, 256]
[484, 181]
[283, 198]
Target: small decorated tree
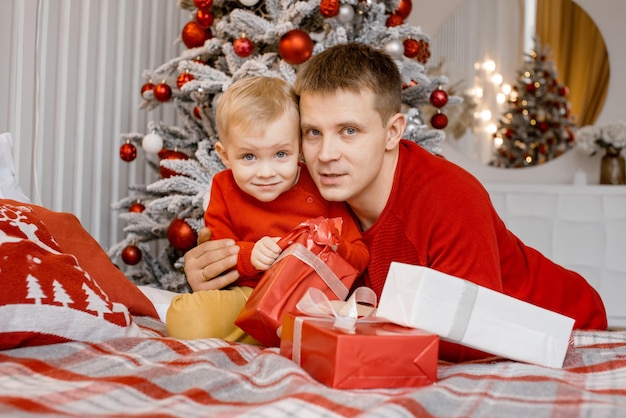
[226, 40]
[537, 126]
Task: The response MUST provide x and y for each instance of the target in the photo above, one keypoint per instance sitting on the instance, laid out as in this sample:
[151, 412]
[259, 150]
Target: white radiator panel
[582, 228]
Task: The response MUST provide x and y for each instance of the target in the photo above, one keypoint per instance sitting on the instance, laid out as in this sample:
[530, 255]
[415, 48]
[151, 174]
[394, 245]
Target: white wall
[70, 77]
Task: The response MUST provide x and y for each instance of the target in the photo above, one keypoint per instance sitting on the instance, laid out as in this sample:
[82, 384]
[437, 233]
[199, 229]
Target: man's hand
[265, 252]
[205, 263]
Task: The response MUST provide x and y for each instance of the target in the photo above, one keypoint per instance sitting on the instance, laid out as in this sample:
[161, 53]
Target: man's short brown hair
[354, 67]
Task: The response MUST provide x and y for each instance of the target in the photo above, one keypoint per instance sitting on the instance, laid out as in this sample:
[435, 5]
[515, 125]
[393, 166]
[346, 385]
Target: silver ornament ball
[346, 13]
[395, 48]
[410, 128]
[248, 2]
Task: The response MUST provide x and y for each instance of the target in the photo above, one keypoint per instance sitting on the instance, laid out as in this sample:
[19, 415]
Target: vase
[612, 168]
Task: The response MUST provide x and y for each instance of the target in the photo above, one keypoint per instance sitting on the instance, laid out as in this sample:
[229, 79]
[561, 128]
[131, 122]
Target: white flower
[591, 139]
[615, 134]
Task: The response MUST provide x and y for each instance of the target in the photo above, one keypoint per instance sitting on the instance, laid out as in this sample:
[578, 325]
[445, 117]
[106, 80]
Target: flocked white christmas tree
[224, 41]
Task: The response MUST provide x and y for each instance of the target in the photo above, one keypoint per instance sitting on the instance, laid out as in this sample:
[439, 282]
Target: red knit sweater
[439, 216]
[234, 214]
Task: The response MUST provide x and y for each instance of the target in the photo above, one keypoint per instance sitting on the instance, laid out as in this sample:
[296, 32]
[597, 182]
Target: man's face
[347, 148]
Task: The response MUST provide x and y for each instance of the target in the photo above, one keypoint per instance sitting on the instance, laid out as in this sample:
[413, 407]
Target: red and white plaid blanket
[157, 376]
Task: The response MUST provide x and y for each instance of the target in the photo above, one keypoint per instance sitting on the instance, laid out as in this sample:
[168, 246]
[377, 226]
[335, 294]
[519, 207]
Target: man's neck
[370, 204]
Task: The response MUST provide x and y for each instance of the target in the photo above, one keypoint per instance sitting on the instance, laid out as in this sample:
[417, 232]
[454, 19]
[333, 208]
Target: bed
[77, 338]
[152, 375]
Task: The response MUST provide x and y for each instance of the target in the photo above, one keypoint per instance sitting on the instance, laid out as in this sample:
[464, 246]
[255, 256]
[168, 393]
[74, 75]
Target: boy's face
[264, 162]
[350, 152]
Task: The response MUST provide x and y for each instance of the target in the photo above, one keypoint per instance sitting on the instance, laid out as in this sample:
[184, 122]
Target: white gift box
[463, 312]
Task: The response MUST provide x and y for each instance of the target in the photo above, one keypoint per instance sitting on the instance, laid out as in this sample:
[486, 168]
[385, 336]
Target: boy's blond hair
[354, 67]
[253, 102]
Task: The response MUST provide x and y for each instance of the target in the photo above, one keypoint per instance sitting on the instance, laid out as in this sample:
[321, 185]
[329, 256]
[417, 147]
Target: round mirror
[530, 72]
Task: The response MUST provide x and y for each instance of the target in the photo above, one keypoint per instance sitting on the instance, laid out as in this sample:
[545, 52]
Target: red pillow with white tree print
[46, 296]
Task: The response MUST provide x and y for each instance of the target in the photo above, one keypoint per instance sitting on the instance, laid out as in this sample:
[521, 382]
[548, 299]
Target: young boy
[264, 193]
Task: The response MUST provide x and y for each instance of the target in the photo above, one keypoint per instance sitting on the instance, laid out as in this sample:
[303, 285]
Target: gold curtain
[579, 54]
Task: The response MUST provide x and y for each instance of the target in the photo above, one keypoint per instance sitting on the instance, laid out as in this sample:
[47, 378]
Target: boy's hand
[265, 252]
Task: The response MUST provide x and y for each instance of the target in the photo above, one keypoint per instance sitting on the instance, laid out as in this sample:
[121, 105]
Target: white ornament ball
[152, 143]
[248, 3]
[395, 49]
[346, 13]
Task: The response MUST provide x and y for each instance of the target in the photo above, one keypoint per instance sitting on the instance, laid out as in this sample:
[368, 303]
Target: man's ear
[221, 151]
[395, 130]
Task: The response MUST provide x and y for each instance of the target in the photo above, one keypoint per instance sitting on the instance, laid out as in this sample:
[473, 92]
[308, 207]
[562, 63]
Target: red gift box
[308, 262]
[375, 355]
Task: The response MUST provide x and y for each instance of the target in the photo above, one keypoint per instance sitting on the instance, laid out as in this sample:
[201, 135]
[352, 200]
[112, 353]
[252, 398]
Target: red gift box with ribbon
[308, 261]
[360, 353]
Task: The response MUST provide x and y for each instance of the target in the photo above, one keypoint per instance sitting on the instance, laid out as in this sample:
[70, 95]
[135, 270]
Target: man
[413, 207]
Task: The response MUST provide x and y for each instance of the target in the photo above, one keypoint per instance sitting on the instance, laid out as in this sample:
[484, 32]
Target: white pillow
[9, 188]
[160, 298]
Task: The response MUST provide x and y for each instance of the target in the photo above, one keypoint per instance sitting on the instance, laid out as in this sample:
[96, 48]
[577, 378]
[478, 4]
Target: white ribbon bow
[315, 304]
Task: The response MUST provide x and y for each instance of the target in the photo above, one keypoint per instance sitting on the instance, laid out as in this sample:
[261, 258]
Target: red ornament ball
[531, 87]
[136, 207]
[162, 92]
[406, 86]
[131, 255]
[203, 4]
[194, 35]
[438, 98]
[128, 152]
[171, 155]
[184, 78]
[394, 20]
[329, 8]
[424, 54]
[146, 87]
[411, 48]
[204, 18]
[243, 47]
[543, 126]
[404, 8]
[439, 121]
[563, 91]
[181, 236]
[295, 47]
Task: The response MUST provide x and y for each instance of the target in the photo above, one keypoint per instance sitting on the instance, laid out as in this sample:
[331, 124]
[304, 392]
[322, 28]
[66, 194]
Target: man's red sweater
[440, 216]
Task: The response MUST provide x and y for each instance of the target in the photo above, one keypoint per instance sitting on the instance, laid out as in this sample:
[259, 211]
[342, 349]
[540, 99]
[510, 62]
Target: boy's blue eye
[281, 154]
[248, 157]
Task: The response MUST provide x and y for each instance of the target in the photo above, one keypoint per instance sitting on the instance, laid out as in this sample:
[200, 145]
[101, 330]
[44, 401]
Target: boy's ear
[395, 130]
[221, 151]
